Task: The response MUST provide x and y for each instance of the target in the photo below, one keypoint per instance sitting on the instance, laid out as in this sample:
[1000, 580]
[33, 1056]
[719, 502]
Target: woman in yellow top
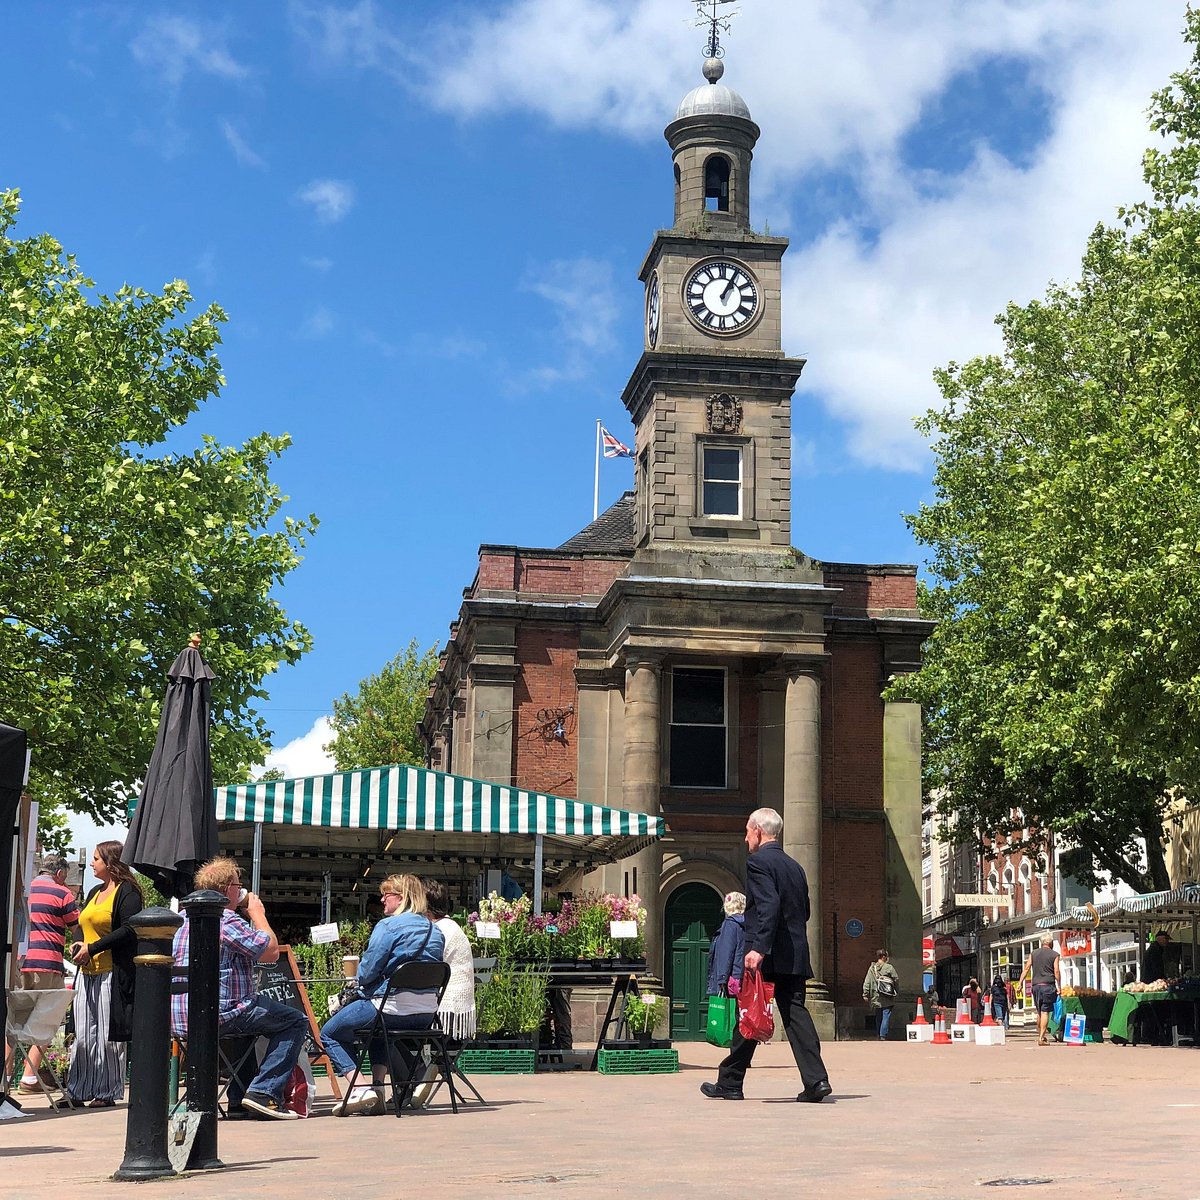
[103, 1007]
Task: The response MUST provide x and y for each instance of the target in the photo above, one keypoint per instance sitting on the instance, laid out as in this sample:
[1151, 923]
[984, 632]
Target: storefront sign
[928, 955]
[982, 900]
[1073, 942]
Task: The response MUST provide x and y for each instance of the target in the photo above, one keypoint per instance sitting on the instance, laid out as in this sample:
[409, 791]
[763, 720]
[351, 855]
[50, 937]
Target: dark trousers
[556, 1028]
[801, 1033]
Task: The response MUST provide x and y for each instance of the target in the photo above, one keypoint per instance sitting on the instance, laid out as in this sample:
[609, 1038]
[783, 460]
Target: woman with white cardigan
[457, 1010]
[456, 1013]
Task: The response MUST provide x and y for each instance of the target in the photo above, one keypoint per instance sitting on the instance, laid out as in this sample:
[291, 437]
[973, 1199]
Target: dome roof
[713, 99]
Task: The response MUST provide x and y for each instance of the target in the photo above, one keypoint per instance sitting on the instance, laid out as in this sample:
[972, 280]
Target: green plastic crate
[638, 1062]
[497, 1062]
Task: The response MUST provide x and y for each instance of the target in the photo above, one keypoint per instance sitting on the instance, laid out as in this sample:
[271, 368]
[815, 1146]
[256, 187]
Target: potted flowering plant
[644, 1013]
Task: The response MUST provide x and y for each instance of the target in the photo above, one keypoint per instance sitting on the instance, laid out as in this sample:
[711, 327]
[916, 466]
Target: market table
[1122, 1024]
[1097, 1010]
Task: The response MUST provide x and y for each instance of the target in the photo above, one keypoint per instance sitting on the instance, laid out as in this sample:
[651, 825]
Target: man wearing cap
[53, 910]
[1155, 964]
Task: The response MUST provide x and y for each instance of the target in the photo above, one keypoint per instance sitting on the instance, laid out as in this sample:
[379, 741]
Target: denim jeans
[285, 1030]
[885, 1023]
[1000, 1012]
[338, 1035]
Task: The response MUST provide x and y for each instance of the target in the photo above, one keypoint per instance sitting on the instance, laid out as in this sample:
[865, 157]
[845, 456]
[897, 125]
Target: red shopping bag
[755, 1020]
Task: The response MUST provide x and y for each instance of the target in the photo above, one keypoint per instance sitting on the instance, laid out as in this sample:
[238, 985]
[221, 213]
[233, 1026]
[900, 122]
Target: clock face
[653, 309]
[721, 296]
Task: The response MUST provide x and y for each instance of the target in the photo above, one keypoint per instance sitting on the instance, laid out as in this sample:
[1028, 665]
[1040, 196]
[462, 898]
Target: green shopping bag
[722, 1020]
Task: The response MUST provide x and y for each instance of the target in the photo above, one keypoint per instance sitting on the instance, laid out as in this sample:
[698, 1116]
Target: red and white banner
[928, 957]
[1074, 942]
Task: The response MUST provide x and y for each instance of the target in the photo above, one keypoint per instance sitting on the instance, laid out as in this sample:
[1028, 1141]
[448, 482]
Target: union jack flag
[612, 447]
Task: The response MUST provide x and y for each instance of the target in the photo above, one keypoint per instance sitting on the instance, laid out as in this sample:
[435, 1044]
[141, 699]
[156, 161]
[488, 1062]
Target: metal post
[203, 910]
[146, 1125]
[256, 867]
[538, 852]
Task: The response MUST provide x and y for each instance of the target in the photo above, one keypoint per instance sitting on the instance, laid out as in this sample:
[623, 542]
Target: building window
[716, 184]
[721, 486]
[698, 727]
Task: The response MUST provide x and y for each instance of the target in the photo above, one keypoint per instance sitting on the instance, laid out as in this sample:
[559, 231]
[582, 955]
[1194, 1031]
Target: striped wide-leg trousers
[97, 1065]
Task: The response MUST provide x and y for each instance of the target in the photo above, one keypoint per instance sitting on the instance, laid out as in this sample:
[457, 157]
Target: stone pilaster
[641, 778]
[772, 686]
[902, 849]
[802, 813]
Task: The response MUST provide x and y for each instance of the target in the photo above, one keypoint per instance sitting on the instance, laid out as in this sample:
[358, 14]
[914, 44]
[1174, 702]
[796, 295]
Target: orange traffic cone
[964, 1013]
[919, 1019]
[940, 1036]
[987, 1012]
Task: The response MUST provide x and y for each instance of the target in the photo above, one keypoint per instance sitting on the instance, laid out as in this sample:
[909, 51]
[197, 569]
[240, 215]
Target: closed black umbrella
[174, 827]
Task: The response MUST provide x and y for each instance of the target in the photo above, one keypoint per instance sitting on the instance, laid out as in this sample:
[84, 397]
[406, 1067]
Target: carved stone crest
[724, 413]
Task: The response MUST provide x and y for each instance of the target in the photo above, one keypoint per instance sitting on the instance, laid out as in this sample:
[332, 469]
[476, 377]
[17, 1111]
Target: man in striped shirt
[53, 909]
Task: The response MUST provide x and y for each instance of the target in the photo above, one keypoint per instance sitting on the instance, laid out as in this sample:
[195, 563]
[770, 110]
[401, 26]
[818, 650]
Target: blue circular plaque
[854, 927]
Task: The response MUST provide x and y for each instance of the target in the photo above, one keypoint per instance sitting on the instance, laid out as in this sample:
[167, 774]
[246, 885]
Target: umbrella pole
[256, 868]
[538, 852]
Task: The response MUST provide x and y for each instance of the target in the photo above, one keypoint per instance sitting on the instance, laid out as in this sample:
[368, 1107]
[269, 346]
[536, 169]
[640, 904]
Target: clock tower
[711, 395]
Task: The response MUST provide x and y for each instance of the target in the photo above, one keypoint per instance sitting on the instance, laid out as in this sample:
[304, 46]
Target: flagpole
[596, 488]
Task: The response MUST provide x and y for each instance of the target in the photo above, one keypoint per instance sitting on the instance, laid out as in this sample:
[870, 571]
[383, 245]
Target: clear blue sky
[425, 224]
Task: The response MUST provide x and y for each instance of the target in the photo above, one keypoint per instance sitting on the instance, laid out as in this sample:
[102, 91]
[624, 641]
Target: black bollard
[146, 1127]
[204, 910]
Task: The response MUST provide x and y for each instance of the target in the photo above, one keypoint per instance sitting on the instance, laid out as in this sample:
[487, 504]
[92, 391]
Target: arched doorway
[693, 916]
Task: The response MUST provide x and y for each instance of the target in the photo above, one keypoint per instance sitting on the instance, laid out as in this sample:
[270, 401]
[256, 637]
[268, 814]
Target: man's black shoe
[816, 1093]
[714, 1091]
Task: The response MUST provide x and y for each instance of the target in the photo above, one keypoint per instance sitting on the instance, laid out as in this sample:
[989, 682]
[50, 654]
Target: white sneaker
[357, 1100]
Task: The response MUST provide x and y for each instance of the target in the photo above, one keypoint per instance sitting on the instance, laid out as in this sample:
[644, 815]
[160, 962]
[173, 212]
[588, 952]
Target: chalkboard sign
[280, 981]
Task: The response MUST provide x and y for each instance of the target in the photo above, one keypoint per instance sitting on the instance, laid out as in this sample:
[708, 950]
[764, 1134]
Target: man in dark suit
[777, 943]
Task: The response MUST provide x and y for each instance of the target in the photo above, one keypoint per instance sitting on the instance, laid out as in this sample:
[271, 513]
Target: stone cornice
[752, 375]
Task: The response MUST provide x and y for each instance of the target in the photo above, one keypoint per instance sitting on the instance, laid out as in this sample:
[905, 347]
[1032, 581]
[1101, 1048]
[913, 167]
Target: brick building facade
[678, 656]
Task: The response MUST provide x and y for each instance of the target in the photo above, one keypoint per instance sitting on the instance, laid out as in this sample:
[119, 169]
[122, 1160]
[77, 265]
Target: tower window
[721, 494]
[698, 727]
[716, 184]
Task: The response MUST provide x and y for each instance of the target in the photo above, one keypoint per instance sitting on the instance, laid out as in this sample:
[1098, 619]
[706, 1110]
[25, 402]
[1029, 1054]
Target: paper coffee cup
[350, 966]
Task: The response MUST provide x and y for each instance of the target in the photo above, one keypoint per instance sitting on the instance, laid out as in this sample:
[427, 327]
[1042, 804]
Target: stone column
[902, 849]
[802, 812]
[771, 694]
[641, 779]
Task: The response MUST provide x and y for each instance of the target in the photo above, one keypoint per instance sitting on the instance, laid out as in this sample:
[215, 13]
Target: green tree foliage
[1063, 681]
[377, 727]
[112, 549]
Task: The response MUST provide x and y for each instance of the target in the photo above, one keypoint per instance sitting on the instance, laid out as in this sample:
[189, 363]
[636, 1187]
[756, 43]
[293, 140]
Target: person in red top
[53, 910]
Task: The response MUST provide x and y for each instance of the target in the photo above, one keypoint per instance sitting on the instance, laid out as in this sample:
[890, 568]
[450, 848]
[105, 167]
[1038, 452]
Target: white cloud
[354, 36]
[305, 755]
[318, 264]
[242, 151]
[319, 323]
[913, 267]
[330, 199]
[584, 304]
[173, 46]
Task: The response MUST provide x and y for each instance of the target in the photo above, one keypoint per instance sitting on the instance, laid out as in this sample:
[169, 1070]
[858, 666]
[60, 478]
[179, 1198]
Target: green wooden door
[693, 917]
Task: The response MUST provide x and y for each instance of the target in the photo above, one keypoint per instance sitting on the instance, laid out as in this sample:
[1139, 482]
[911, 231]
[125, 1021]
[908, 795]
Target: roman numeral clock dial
[721, 296]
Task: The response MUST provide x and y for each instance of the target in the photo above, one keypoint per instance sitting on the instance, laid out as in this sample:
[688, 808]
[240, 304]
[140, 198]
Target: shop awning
[1159, 903]
[350, 827]
[412, 798]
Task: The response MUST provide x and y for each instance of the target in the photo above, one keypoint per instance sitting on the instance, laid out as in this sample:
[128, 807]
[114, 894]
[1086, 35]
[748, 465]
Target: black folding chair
[431, 977]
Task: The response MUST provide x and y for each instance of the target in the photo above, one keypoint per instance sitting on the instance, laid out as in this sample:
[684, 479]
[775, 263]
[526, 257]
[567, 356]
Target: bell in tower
[712, 142]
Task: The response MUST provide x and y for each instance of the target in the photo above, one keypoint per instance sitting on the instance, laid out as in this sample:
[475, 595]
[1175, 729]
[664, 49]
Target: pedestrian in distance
[245, 941]
[881, 988]
[973, 995]
[53, 910]
[777, 912]
[999, 994]
[1042, 970]
[727, 955]
[1154, 966]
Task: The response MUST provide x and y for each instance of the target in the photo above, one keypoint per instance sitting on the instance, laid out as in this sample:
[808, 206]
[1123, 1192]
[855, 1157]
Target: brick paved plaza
[903, 1121]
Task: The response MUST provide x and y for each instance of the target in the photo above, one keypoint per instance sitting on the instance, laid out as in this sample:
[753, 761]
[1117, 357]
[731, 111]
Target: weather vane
[708, 13]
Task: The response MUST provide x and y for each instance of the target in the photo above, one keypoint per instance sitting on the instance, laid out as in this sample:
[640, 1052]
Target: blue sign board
[854, 927]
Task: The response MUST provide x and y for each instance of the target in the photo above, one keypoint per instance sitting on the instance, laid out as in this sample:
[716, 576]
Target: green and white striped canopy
[413, 798]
